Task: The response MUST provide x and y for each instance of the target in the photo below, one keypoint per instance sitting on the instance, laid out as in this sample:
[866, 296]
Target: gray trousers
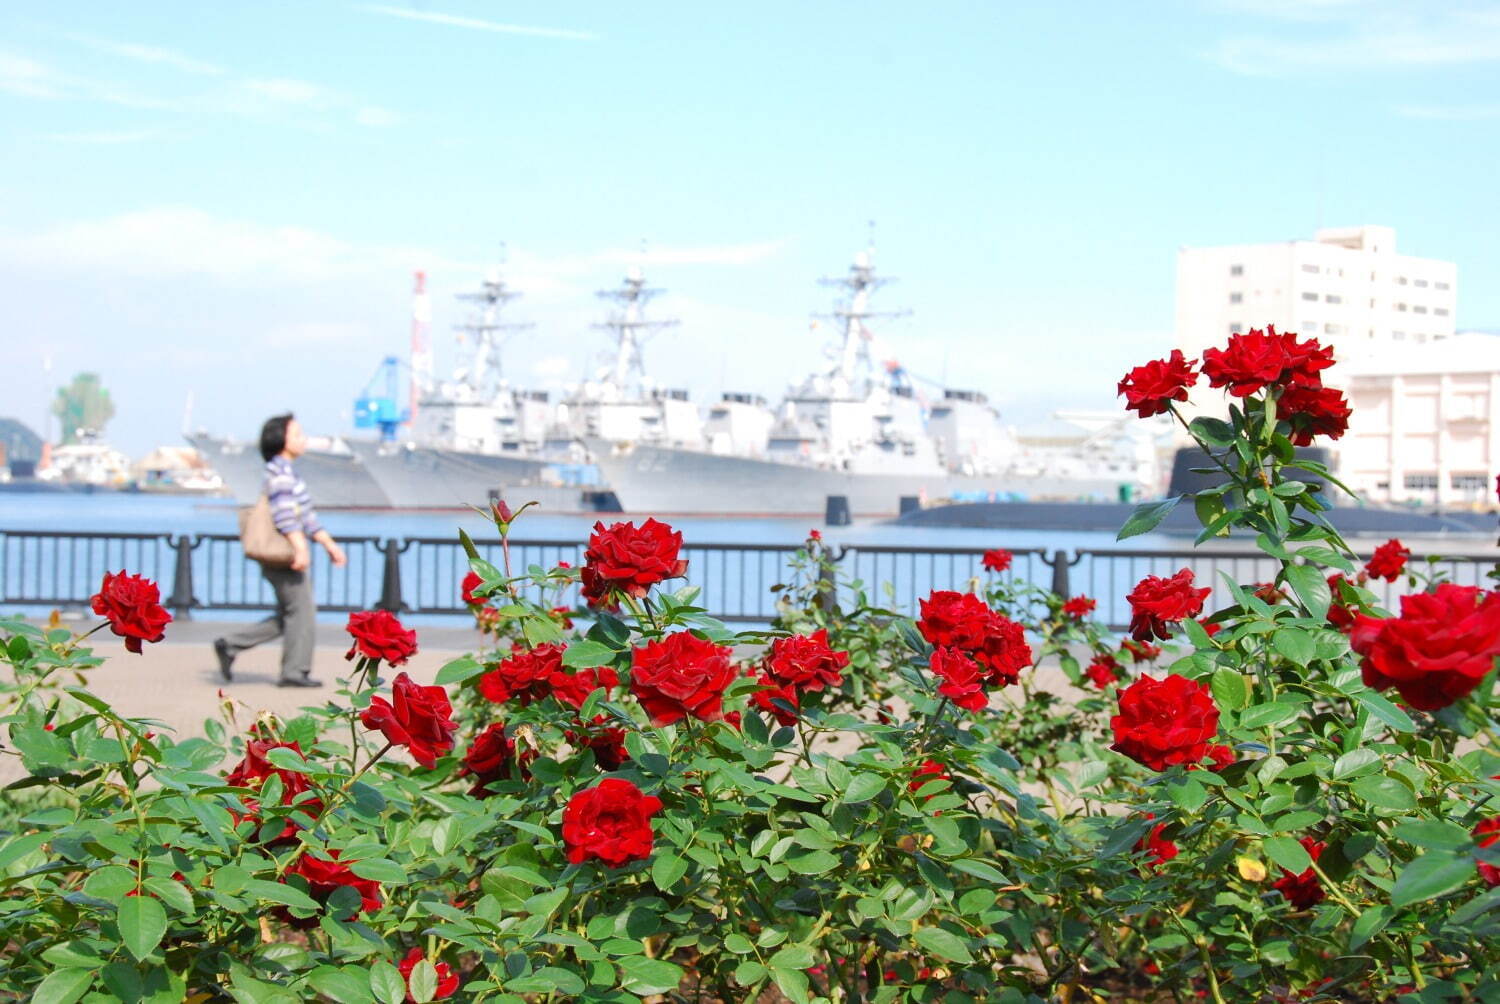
[295, 618]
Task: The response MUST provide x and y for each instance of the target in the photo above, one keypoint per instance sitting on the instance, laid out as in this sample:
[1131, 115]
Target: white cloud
[1449, 113]
[292, 92]
[375, 117]
[29, 78]
[457, 21]
[106, 138]
[149, 54]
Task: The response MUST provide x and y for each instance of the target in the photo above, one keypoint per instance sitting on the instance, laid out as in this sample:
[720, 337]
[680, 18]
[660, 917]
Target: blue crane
[383, 412]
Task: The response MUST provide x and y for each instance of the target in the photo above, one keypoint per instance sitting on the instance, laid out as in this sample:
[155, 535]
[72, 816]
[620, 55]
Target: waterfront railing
[203, 573]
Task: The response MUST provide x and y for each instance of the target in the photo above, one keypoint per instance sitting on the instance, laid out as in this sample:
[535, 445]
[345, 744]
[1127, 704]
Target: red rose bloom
[1151, 389]
[1141, 651]
[132, 603]
[1267, 592]
[252, 771]
[324, 878]
[1304, 890]
[574, 688]
[1340, 614]
[927, 771]
[960, 620]
[419, 719]
[1437, 651]
[471, 582]
[1004, 652]
[610, 822]
[1104, 670]
[447, 979]
[1210, 628]
[526, 676]
[1079, 607]
[1388, 561]
[772, 691]
[1153, 843]
[607, 742]
[997, 560]
[1165, 722]
[1222, 757]
[379, 635]
[1313, 411]
[1156, 602]
[680, 676]
[806, 662]
[962, 683]
[632, 560]
[1485, 835]
[1251, 361]
[492, 757]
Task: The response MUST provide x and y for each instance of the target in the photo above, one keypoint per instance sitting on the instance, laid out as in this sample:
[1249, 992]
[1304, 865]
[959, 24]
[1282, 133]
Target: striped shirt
[291, 506]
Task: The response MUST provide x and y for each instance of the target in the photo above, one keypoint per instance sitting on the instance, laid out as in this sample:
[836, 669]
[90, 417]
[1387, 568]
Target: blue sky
[229, 199]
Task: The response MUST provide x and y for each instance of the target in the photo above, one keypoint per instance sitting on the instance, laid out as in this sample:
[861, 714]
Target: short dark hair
[273, 435]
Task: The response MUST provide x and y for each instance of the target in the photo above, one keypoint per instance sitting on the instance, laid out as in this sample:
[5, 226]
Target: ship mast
[627, 320]
[421, 348]
[854, 354]
[483, 374]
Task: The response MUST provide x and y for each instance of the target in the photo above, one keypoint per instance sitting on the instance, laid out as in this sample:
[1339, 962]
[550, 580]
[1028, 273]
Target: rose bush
[844, 805]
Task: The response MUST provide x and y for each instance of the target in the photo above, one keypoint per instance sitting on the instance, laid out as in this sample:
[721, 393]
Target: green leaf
[1369, 923]
[1311, 587]
[287, 759]
[386, 983]
[142, 921]
[1212, 431]
[1385, 793]
[1355, 763]
[383, 869]
[463, 668]
[793, 983]
[585, 654]
[944, 944]
[1187, 794]
[1262, 715]
[982, 870]
[17, 848]
[1147, 516]
[643, 976]
[749, 973]
[1230, 689]
[1287, 853]
[470, 550]
[421, 985]
[548, 979]
[1433, 833]
[793, 957]
[1295, 644]
[1386, 711]
[667, 869]
[171, 893]
[280, 892]
[813, 863]
[63, 986]
[1430, 876]
[864, 787]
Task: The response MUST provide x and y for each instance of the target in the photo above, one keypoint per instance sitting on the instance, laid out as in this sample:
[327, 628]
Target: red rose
[1388, 561]
[1104, 670]
[1079, 607]
[471, 582]
[1151, 389]
[1222, 757]
[1267, 592]
[252, 771]
[963, 684]
[1004, 652]
[324, 878]
[447, 979]
[1304, 890]
[1210, 628]
[132, 603]
[960, 620]
[997, 560]
[563, 618]
[526, 676]
[611, 822]
[1313, 411]
[1251, 361]
[814, 535]
[420, 719]
[1153, 843]
[1156, 602]
[379, 635]
[1305, 361]
[574, 688]
[1141, 651]
[607, 742]
[681, 676]
[772, 691]
[1437, 651]
[805, 662]
[1485, 835]
[492, 757]
[1165, 722]
[1340, 613]
[927, 771]
[631, 560]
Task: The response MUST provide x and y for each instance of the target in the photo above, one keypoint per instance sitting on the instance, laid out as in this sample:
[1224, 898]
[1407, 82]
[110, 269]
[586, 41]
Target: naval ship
[335, 478]
[862, 431]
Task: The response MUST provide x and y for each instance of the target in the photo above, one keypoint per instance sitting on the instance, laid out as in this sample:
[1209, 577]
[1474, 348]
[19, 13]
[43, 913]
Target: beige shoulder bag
[260, 538]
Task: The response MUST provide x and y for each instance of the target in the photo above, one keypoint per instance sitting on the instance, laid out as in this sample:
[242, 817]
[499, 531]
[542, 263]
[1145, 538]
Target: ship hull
[649, 479]
[427, 477]
[334, 480]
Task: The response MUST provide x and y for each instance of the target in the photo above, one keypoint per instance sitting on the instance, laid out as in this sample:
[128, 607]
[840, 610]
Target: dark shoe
[226, 661]
[305, 681]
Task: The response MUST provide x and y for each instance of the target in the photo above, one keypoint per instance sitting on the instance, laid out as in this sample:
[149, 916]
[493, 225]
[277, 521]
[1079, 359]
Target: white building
[1348, 287]
[1426, 422]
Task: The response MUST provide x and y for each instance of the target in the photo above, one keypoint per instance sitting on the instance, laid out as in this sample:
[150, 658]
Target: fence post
[828, 584]
[182, 601]
[390, 583]
[1060, 566]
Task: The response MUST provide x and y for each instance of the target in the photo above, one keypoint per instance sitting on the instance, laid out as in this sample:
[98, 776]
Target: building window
[1440, 311]
[1400, 336]
[1401, 280]
[1236, 297]
[1401, 306]
[1440, 285]
[1236, 270]
[1310, 296]
[1419, 309]
[1332, 329]
[1310, 268]
[1372, 301]
[1334, 299]
[1470, 482]
[1421, 482]
[1236, 329]
[1420, 282]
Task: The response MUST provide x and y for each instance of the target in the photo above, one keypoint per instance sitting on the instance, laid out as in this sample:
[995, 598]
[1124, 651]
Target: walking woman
[281, 442]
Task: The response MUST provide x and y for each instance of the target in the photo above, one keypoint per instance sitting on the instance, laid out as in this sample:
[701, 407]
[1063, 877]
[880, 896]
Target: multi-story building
[1347, 286]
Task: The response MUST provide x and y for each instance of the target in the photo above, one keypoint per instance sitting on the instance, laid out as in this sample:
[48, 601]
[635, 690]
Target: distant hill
[19, 441]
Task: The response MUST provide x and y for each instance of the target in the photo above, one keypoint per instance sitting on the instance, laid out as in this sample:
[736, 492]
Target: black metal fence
[422, 575]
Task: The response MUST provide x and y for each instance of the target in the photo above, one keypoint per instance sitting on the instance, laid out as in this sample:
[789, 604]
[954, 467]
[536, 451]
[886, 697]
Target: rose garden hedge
[1293, 796]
